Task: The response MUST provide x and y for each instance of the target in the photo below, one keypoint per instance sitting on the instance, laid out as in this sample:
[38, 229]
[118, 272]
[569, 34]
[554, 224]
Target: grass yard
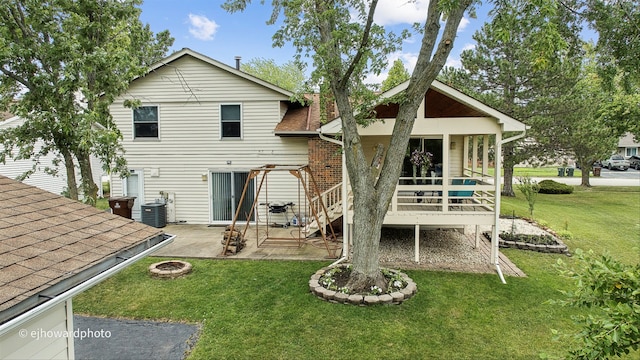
[263, 309]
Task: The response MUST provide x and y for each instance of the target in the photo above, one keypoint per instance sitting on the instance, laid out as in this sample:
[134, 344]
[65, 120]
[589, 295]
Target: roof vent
[238, 58]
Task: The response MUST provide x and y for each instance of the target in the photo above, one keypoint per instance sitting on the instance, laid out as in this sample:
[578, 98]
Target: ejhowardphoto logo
[76, 334]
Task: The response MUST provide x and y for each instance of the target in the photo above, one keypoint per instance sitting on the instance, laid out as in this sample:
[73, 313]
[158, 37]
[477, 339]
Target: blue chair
[455, 192]
[466, 193]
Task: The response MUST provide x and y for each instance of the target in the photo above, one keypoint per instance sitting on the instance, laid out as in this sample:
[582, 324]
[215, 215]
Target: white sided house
[41, 178]
[456, 189]
[200, 127]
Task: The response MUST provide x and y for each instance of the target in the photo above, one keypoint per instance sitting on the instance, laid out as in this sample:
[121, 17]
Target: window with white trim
[632, 151]
[230, 121]
[145, 122]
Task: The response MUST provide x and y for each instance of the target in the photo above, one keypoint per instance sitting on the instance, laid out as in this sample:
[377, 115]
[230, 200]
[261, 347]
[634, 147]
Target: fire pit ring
[170, 269]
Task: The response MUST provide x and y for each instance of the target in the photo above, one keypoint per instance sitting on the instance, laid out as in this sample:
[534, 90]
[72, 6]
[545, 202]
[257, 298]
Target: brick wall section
[325, 162]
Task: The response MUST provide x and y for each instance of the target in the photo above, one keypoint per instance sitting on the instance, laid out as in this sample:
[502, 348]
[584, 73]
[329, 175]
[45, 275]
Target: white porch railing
[332, 200]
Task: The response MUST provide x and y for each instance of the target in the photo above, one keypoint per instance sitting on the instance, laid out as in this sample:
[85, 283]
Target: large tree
[62, 63]
[288, 76]
[397, 75]
[585, 128]
[505, 70]
[346, 45]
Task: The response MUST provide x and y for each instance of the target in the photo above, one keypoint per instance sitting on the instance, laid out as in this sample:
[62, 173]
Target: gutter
[495, 242]
[28, 315]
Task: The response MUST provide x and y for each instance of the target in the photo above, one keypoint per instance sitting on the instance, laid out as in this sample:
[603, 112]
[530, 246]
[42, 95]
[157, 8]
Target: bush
[552, 187]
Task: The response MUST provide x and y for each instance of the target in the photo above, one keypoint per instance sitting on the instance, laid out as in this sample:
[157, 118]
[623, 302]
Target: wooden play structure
[307, 194]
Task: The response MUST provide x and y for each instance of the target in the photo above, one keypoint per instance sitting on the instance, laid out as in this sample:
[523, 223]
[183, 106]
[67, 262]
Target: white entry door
[134, 187]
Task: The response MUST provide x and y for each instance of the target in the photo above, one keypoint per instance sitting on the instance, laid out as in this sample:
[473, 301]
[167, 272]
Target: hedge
[553, 187]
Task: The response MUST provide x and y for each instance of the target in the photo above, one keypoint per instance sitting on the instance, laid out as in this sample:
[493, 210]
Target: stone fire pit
[170, 269]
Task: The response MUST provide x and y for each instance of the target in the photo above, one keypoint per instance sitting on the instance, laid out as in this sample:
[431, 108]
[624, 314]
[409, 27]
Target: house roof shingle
[301, 119]
[46, 239]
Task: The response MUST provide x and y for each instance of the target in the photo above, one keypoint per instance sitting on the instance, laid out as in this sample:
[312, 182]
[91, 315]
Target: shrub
[553, 187]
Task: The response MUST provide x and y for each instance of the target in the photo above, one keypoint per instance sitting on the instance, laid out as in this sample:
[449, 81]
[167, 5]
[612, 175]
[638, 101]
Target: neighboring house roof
[188, 52]
[50, 244]
[465, 105]
[628, 140]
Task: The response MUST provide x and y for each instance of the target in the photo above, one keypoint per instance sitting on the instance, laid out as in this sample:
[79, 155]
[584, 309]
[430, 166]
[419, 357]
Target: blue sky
[203, 26]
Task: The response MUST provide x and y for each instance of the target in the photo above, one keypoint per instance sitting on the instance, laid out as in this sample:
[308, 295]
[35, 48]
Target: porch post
[497, 177]
[445, 172]
[417, 244]
[474, 155]
[485, 154]
[465, 156]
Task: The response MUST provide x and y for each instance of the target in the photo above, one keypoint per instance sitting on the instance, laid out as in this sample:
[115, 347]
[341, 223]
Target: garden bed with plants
[329, 283]
[540, 241]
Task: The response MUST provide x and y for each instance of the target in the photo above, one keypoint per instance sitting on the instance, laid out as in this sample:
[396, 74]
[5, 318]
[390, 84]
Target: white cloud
[408, 59]
[391, 12]
[201, 27]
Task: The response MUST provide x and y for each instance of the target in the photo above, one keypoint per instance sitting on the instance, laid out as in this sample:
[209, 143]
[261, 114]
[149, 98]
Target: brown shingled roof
[301, 119]
[47, 240]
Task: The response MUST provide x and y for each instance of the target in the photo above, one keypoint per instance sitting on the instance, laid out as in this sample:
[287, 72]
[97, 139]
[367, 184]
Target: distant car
[616, 162]
[634, 162]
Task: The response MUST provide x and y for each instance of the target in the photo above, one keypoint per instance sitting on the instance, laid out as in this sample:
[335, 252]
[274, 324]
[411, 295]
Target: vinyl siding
[189, 93]
[15, 346]
[52, 183]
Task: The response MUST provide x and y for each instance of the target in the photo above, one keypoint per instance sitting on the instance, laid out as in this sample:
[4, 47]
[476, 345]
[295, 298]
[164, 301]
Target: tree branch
[363, 43]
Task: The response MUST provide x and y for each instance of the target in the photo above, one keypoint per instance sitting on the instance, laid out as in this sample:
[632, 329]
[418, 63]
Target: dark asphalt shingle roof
[46, 238]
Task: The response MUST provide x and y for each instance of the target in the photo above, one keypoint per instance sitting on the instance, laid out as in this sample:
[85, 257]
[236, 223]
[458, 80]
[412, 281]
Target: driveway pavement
[106, 339]
[607, 177]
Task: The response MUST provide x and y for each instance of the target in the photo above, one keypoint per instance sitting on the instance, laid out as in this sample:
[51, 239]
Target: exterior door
[226, 190]
[133, 187]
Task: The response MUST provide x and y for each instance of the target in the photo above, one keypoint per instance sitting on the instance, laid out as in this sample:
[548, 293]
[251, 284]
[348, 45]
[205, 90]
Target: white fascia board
[28, 315]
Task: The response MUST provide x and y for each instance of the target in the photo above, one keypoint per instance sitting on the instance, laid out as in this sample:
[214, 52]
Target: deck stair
[332, 200]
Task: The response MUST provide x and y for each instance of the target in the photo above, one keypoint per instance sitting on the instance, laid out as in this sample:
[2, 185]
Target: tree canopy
[288, 76]
[397, 75]
[62, 63]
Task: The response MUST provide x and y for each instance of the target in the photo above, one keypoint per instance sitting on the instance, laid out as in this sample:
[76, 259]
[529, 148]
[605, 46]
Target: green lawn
[263, 309]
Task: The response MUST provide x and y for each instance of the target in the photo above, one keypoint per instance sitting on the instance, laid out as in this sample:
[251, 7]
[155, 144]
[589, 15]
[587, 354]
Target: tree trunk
[367, 224]
[508, 164]
[507, 186]
[89, 187]
[72, 185]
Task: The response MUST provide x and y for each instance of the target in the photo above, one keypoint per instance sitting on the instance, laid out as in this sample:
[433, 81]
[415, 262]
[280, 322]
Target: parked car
[634, 162]
[616, 162]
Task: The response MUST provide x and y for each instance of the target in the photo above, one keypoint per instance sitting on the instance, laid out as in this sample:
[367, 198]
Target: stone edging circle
[396, 297]
[183, 268]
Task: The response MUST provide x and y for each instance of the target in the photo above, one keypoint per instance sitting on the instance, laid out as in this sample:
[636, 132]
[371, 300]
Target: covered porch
[464, 139]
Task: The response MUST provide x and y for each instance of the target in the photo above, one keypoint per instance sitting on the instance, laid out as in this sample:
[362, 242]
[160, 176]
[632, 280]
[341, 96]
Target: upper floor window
[230, 121]
[145, 122]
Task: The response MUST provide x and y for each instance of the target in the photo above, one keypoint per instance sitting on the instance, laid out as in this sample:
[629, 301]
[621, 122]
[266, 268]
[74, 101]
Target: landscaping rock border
[558, 248]
[396, 297]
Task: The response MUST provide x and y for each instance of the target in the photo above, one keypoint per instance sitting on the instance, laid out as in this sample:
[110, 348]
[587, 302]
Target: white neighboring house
[627, 146]
[55, 184]
[199, 130]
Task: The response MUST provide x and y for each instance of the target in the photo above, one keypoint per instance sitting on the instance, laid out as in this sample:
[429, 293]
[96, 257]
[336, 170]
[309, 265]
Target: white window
[230, 121]
[145, 122]
[632, 151]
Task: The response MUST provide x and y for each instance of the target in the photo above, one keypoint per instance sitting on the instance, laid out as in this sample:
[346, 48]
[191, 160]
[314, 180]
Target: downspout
[345, 226]
[494, 240]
